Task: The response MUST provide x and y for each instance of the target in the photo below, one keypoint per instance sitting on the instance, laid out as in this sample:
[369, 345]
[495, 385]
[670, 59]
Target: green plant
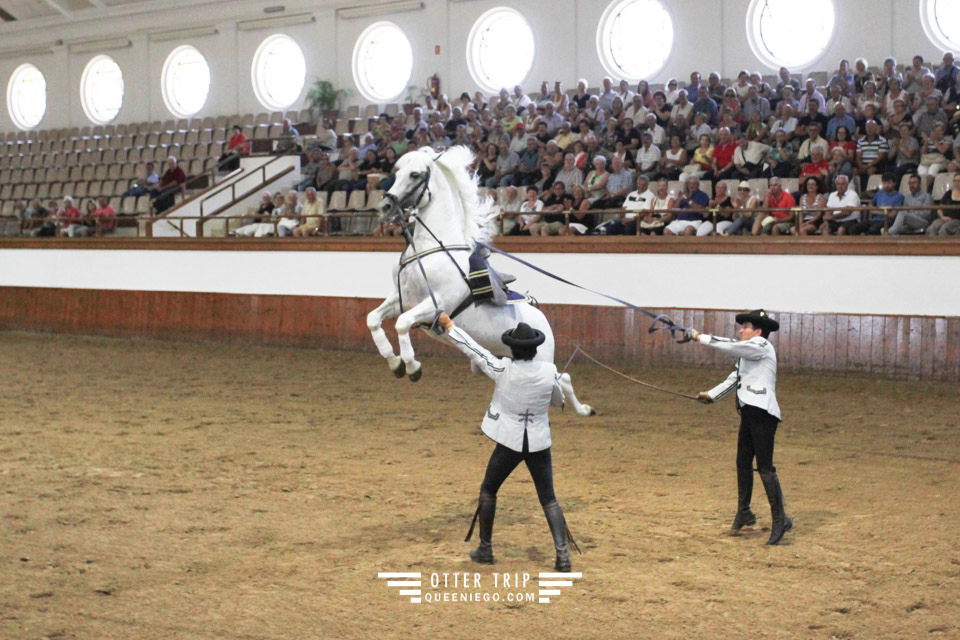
[322, 96]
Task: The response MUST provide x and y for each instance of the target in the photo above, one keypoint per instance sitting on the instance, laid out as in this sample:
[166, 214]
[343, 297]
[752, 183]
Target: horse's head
[411, 190]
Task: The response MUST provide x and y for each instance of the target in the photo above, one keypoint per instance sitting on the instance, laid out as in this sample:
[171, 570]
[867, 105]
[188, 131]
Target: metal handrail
[232, 186]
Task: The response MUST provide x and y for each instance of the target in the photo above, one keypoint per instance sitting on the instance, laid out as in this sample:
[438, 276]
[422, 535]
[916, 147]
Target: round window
[634, 38]
[279, 71]
[382, 62]
[185, 81]
[500, 49]
[788, 33]
[27, 96]
[101, 89]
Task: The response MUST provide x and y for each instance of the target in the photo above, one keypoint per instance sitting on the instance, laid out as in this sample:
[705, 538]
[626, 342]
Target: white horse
[443, 192]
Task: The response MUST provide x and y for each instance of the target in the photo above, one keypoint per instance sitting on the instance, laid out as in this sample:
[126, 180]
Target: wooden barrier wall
[925, 348]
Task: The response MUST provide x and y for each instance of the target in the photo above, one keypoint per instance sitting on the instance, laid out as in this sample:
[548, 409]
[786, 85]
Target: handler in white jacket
[755, 382]
[518, 421]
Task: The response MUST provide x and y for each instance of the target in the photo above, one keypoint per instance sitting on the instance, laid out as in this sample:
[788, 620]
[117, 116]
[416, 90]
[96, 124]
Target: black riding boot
[560, 533]
[781, 522]
[486, 509]
[744, 517]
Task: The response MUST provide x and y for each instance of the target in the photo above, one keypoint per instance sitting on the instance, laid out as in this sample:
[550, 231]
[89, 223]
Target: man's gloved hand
[445, 322]
[704, 397]
[694, 335]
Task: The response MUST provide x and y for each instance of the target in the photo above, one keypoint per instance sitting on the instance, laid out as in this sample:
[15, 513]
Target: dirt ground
[155, 490]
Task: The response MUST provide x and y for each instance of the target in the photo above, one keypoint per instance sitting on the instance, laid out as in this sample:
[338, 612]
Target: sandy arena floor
[156, 490]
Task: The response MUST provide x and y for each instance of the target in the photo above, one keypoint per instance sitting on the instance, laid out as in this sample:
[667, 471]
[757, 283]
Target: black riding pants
[504, 460]
[757, 430]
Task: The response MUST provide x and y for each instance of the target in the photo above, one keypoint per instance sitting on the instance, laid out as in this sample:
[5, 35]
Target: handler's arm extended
[489, 364]
[747, 349]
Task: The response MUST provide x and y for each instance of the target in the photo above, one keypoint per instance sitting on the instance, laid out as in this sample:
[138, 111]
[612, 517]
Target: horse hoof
[397, 366]
[416, 375]
[587, 410]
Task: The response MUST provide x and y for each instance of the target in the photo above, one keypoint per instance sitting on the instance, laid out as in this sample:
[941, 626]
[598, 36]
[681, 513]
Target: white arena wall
[709, 35]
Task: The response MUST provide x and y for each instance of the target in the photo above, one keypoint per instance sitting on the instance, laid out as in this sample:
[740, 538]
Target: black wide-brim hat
[523, 336]
[759, 319]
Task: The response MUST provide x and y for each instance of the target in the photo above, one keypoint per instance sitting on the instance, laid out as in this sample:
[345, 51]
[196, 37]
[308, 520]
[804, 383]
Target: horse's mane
[479, 213]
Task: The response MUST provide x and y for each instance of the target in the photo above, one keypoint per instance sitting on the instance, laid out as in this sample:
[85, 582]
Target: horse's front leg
[422, 313]
[389, 309]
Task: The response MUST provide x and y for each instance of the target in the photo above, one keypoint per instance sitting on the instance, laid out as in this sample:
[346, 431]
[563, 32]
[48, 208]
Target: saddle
[487, 285]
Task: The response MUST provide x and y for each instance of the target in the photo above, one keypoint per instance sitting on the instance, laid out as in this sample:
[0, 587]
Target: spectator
[682, 108]
[77, 224]
[912, 77]
[893, 122]
[812, 95]
[639, 202]
[813, 140]
[261, 227]
[948, 74]
[872, 152]
[636, 110]
[552, 223]
[894, 93]
[935, 148]
[289, 139]
[348, 173]
[842, 79]
[756, 129]
[869, 96]
[265, 209]
[789, 98]
[105, 216]
[674, 159]
[327, 137]
[648, 157]
[780, 160]
[839, 119]
[308, 172]
[889, 73]
[723, 209]
[171, 182]
[569, 175]
[930, 117]
[605, 99]
[812, 204]
[845, 203]
[947, 222]
[818, 167]
[417, 125]
[595, 184]
[746, 204]
[722, 165]
[326, 174]
[582, 96]
[839, 165]
[755, 103]
[715, 88]
[237, 146]
[742, 86]
[887, 196]
[565, 137]
[658, 132]
[927, 91]
[748, 158]
[702, 160]
[528, 169]
[812, 115]
[835, 100]
[861, 75]
[545, 180]
[654, 221]
[694, 202]
[289, 214]
[706, 105]
[530, 210]
[913, 220]
[618, 184]
[507, 164]
[143, 186]
[594, 115]
[779, 220]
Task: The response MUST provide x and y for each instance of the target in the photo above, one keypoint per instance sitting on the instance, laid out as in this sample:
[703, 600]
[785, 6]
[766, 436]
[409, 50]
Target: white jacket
[524, 391]
[755, 377]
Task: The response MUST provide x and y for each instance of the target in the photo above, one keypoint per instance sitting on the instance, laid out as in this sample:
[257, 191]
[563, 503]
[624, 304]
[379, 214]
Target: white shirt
[537, 206]
[646, 158]
[849, 199]
[637, 201]
[755, 376]
[524, 391]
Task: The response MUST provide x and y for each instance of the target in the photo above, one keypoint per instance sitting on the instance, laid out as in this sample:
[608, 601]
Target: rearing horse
[450, 218]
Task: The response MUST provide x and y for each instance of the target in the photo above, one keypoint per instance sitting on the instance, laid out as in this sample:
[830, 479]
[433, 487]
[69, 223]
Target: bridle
[398, 207]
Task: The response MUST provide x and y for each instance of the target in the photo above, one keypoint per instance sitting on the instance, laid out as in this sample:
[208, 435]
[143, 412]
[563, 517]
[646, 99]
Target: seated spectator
[779, 203]
[143, 186]
[658, 132]
[545, 179]
[818, 167]
[510, 119]
[487, 163]
[289, 215]
[926, 119]
[552, 222]
[289, 139]
[507, 164]
[308, 172]
[722, 207]
[639, 202]
[861, 75]
[11, 226]
[715, 88]
[511, 204]
[347, 173]
[927, 92]
[893, 122]
[618, 185]
[748, 158]
[780, 160]
[607, 94]
[565, 137]
[327, 137]
[949, 73]
[237, 146]
[48, 227]
[913, 220]
[593, 114]
[682, 107]
[311, 212]
[569, 175]
[812, 202]
[595, 184]
[872, 152]
[261, 227]
[648, 157]
[894, 93]
[326, 174]
[656, 219]
[842, 79]
[869, 96]
[171, 182]
[706, 105]
[674, 159]
[528, 170]
[845, 204]
[265, 209]
[811, 94]
[722, 166]
[105, 216]
[835, 100]
[811, 115]
[888, 73]
[742, 85]
[636, 110]
[935, 149]
[756, 129]
[34, 220]
[887, 196]
[840, 119]
[789, 100]
[699, 128]
[914, 74]
[76, 224]
[702, 161]
[694, 202]
[416, 125]
[755, 103]
[947, 222]
[530, 209]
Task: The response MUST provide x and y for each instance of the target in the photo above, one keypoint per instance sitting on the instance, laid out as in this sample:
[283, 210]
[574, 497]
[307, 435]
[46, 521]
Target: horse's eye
[415, 175]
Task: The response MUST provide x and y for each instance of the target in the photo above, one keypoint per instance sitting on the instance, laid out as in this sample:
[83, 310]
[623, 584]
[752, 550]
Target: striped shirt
[870, 150]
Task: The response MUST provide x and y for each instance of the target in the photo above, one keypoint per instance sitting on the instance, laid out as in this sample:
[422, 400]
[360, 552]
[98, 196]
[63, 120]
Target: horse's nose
[387, 206]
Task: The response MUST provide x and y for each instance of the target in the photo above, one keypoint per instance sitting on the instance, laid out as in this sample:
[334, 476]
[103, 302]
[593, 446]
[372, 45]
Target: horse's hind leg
[421, 313]
[569, 396]
[389, 309]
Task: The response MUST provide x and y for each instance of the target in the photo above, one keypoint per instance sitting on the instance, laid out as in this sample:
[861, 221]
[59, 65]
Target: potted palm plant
[323, 100]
